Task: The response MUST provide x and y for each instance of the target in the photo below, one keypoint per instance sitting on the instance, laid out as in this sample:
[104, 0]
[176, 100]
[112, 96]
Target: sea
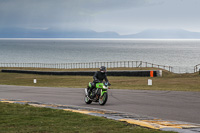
[178, 53]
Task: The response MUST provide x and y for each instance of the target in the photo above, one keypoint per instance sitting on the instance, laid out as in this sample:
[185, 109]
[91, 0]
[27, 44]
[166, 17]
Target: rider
[98, 77]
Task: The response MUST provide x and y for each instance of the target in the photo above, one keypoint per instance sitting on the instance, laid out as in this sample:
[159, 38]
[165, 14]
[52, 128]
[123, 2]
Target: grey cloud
[40, 12]
[66, 11]
[171, 14]
[100, 15]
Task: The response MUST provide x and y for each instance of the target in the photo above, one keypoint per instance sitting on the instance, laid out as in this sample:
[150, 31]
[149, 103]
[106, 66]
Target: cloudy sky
[121, 16]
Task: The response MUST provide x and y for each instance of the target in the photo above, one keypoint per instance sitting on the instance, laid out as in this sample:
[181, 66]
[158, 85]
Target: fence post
[196, 68]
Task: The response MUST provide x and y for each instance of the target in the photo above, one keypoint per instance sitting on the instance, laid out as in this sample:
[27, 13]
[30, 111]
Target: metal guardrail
[183, 69]
[197, 68]
[115, 64]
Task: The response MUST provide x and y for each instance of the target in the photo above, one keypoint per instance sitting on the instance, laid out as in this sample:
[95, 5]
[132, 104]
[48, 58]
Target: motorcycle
[98, 94]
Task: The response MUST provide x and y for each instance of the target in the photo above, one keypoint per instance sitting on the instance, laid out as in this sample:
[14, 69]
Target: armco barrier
[146, 73]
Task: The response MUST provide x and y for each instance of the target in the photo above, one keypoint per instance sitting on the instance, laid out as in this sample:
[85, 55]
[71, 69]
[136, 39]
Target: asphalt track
[169, 105]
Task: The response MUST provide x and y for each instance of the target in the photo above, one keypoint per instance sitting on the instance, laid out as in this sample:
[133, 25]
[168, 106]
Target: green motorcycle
[98, 94]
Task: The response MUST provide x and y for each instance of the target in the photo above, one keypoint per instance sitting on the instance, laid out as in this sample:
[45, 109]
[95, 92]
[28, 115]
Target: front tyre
[103, 99]
[87, 100]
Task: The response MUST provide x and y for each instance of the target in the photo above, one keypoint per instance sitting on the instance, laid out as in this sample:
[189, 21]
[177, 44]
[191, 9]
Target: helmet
[102, 69]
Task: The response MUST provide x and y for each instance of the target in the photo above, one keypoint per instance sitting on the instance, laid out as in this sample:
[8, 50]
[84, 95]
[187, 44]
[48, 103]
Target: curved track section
[170, 105]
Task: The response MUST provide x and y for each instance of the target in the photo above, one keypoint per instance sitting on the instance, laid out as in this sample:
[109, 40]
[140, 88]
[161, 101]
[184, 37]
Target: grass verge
[169, 81]
[27, 119]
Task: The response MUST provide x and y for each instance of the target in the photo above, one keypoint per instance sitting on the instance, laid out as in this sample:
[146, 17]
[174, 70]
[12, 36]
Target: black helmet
[103, 69]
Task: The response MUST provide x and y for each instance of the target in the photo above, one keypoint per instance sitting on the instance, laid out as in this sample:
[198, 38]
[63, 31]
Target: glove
[108, 83]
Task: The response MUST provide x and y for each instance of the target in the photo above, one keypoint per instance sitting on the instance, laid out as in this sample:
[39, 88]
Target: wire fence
[115, 64]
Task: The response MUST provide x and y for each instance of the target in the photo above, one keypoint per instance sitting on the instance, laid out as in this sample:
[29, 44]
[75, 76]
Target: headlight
[105, 87]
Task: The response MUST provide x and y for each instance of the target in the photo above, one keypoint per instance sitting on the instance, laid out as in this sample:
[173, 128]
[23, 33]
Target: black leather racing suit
[100, 76]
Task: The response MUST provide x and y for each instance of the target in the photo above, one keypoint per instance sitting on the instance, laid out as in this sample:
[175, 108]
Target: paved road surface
[181, 106]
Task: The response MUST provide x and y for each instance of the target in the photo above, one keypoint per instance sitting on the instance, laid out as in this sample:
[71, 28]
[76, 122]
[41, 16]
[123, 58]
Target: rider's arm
[95, 76]
[106, 79]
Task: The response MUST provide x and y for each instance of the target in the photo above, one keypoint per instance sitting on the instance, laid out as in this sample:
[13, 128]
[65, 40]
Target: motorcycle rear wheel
[103, 99]
[87, 100]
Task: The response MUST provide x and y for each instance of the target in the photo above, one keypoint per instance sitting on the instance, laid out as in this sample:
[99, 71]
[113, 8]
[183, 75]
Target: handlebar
[106, 83]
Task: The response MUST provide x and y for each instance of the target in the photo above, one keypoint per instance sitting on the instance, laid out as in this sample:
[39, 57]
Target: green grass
[169, 81]
[28, 119]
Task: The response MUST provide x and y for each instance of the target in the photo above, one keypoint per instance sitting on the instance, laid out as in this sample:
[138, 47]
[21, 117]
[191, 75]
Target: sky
[121, 16]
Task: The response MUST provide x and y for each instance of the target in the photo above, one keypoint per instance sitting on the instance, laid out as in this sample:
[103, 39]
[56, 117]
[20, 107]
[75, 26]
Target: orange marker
[151, 73]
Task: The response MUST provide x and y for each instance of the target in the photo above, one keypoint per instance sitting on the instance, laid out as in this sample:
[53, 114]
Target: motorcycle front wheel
[103, 99]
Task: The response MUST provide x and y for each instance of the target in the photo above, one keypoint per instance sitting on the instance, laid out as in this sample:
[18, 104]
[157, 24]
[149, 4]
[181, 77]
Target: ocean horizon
[169, 52]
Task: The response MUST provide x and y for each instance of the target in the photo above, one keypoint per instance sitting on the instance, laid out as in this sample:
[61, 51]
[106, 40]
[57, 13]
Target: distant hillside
[165, 34]
[54, 33]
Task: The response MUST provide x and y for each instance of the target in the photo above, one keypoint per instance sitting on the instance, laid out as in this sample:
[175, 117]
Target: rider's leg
[92, 87]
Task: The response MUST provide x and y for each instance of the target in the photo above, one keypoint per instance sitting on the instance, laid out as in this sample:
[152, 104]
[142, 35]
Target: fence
[115, 64]
[197, 68]
[183, 69]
